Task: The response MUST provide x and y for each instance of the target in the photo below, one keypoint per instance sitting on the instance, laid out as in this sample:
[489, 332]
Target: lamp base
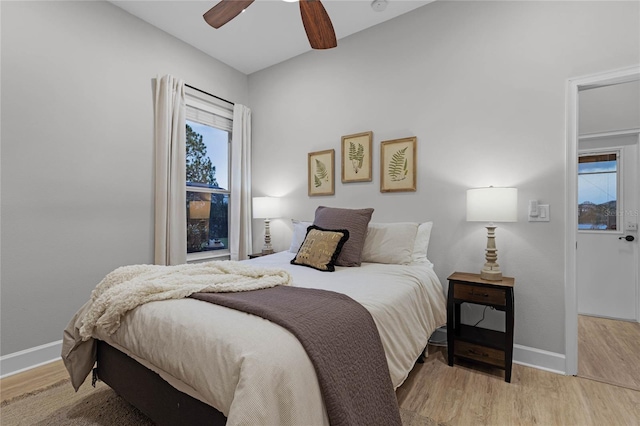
[491, 270]
[491, 275]
[267, 248]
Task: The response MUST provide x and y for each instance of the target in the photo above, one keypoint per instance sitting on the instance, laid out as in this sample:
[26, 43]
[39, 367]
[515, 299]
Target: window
[598, 191]
[208, 155]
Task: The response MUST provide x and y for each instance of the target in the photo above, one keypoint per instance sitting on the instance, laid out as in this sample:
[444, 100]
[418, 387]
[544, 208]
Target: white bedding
[256, 372]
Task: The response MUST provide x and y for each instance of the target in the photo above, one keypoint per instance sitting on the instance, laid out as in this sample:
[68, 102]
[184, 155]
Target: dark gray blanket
[342, 342]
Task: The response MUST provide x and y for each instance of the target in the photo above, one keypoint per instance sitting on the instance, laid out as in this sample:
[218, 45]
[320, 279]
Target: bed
[249, 370]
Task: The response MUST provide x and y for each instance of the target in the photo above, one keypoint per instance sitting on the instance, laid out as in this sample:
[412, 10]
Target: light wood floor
[467, 395]
[32, 380]
[609, 351]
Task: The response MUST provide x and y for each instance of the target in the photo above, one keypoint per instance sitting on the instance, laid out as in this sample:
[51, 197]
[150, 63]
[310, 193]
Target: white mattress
[256, 372]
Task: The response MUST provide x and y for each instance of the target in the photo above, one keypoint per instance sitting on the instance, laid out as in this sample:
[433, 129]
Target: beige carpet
[100, 406]
[60, 405]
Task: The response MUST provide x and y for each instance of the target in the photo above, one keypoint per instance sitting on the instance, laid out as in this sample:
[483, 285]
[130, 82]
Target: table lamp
[266, 208]
[492, 205]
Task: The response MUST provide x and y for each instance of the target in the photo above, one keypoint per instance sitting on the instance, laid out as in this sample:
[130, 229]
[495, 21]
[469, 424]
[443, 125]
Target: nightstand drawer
[479, 353]
[484, 295]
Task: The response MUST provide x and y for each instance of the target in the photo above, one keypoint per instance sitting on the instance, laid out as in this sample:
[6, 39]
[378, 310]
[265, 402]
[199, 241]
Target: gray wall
[609, 108]
[482, 85]
[77, 152]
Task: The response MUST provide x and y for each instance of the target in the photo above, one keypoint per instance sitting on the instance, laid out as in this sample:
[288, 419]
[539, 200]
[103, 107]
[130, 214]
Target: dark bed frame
[150, 393]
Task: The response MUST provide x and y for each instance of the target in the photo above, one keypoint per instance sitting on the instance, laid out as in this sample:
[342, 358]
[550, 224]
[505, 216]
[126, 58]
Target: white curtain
[240, 221]
[170, 193]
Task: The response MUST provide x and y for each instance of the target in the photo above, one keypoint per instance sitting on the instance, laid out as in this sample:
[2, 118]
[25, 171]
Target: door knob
[627, 237]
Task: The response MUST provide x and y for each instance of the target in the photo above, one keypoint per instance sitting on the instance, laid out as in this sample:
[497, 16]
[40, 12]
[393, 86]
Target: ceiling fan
[315, 19]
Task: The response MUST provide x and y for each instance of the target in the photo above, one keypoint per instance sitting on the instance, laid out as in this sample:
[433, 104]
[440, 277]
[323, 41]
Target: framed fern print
[321, 172]
[398, 165]
[356, 157]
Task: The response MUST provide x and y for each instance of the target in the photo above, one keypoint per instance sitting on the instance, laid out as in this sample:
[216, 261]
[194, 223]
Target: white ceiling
[268, 32]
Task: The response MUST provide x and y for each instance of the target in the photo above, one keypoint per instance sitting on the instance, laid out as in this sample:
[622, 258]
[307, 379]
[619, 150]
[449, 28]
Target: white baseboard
[27, 359]
[30, 358]
[540, 359]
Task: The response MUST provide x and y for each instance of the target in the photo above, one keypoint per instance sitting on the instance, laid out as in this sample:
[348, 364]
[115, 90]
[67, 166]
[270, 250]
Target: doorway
[607, 266]
[572, 273]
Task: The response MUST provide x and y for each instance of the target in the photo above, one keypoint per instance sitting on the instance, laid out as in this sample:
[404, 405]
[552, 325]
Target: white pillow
[299, 232]
[390, 243]
[422, 243]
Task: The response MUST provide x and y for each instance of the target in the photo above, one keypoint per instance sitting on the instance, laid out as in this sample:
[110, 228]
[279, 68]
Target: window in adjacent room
[208, 159]
[598, 191]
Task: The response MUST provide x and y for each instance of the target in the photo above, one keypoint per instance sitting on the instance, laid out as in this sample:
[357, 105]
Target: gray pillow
[353, 220]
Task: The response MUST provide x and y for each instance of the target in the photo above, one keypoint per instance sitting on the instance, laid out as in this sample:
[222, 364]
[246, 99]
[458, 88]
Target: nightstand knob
[473, 291]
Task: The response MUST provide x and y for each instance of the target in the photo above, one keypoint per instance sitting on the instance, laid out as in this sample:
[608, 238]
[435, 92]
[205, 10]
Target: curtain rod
[207, 93]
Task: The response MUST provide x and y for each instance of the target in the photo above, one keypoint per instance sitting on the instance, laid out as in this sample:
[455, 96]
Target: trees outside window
[207, 183]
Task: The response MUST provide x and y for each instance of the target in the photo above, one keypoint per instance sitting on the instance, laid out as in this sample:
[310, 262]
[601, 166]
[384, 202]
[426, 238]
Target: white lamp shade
[492, 205]
[266, 208]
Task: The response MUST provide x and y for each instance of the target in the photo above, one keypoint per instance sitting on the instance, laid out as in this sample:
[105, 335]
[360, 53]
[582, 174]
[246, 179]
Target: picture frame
[398, 166]
[321, 179]
[357, 157]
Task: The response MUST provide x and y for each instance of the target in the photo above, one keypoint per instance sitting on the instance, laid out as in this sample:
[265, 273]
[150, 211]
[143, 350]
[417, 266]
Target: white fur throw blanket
[130, 286]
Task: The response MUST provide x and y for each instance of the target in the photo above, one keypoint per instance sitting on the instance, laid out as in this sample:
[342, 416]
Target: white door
[607, 263]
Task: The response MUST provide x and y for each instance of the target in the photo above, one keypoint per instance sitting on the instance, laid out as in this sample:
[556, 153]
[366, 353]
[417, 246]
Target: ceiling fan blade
[317, 24]
[225, 11]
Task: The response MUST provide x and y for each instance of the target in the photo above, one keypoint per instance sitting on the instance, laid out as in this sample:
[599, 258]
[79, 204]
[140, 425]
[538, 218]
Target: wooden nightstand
[254, 255]
[479, 344]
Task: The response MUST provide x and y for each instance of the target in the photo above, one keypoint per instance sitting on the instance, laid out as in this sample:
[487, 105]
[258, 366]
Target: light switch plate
[543, 214]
